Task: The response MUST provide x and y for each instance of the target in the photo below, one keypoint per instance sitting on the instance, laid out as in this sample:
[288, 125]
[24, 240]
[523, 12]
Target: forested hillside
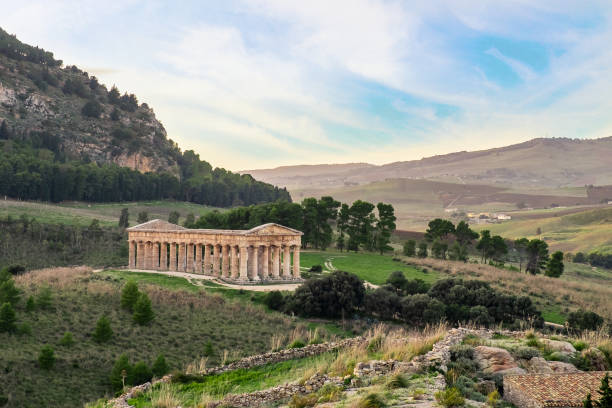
[65, 136]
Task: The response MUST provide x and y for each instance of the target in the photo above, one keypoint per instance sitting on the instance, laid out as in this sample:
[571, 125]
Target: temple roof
[264, 229]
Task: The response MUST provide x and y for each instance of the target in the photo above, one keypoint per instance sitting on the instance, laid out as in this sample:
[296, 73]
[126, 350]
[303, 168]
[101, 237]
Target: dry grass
[165, 398]
[584, 294]
[56, 277]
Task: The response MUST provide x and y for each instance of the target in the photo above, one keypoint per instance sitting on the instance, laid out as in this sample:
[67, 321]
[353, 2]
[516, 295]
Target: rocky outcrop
[562, 346]
[494, 359]
[538, 365]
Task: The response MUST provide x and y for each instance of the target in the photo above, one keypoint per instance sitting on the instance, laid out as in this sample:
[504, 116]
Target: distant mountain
[56, 122]
[554, 162]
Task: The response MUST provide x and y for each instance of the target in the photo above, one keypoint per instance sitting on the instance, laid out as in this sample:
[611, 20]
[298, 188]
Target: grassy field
[368, 266]
[187, 317]
[586, 231]
[78, 213]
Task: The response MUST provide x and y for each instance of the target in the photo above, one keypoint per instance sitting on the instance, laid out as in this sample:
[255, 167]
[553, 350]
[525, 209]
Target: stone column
[225, 262]
[296, 262]
[243, 263]
[181, 257]
[207, 268]
[255, 264]
[265, 263]
[286, 262]
[215, 261]
[132, 257]
[140, 255]
[156, 259]
[235, 269]
[198, 258]
[163, 256]
[189, 257]
[275, 262]
[173, 256]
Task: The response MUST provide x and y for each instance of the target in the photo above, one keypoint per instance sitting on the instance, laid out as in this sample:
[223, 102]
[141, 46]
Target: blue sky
[264, 83]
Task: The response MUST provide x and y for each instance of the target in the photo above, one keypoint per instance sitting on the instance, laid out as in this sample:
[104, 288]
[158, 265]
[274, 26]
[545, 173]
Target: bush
[129, 295]
[583, 320]
[160, 367]
[526, 353]
[461, 351]
[92, 109]
[274, 300]
[372, 401]
[44, 298]
[46, 358]
[141, 373]
[103, 331]
[67, 340]
[316, 269]
[409, 248]
[296, 344]
[451, 397]
[208, 349]
[143, 312]
[30, 304]
[398, 381]
[7, 318]
[303, 401]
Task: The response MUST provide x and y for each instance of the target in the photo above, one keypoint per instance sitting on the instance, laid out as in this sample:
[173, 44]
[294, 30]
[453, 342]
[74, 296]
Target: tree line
[457, 242]
[33, 169]
[361, 225]
[15, 49]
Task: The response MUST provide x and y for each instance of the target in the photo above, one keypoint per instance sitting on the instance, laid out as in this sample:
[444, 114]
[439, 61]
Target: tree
[141, 373]
[160, 367]
[103, 331]
[605, 401]
[439, 229]
[7, 318]
[120, 372]
[46, 358]
[143, 217]
[360, 225]
[208, 349]
[8, 292]
[439, 248]
[580, 258]
[113, 95]
[340, 242]
[422, 250]
[343, 218]
[555, 265]
[458, 252]
[384, 226]
[115, 115]
[588, 402]
[92, 109]
[499, 248]
[397, 280]
[173, 217]
[464, 234]
[129, 295]
[485, 245]
[274, 300]
[583, 320]
[124, 218]
[44, 298]
[5, 133]
[410, 248]
[520, 245]
[537, 256]
[189, 221]
[143, 312]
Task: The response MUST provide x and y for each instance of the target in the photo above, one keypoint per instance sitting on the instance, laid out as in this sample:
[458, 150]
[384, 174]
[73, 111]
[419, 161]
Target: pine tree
[30, 305]
[410, 247]
[121, 372]
[606, 393]
[588, 402]
[129, 295]
[143, 312]
[103, 331]
[124, 219]
[160, 367]
[7, 318]
[555, 265]
[46, 358]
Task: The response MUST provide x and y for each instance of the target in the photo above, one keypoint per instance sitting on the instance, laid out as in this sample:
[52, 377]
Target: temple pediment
[158, 225]
[272, 229]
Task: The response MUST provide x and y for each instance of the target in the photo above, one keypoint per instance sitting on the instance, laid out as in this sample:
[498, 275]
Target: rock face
[562, 346]
[493, 359]
[537, 365]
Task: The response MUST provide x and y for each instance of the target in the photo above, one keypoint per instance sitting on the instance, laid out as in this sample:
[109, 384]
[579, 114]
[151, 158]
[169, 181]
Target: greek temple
[269, 252]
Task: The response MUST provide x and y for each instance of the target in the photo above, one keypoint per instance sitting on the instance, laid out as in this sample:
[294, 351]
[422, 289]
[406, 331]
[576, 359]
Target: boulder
[537, 365]
[562, 346]
[559, 367]
[512, 371]
[493, 359]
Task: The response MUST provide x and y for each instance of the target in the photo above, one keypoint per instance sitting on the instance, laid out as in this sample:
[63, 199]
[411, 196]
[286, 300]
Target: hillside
[555, 162]
[64, 136]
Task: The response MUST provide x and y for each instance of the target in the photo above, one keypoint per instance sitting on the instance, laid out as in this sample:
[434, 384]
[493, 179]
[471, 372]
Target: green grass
[185, 321]
[554, 314]
[371, 267]
[239, 381]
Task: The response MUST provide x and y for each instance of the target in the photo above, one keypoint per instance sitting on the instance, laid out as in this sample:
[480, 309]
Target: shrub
[533, 342]
[297, 344]
[464, 366]
[30, 305]
[141, 373]
[121, 370]
[559, 356]
[7, 318]
[451, 397]
[303, 401]
[129, 295]
[92, 109]
[103, 331]
[46, 358]
[409, 248]
[208, 349]
[160, 367]
[398, 381]
[372, 400]
[143, 312]
[461, 351]
[580, 345]
[67, 340]
[493, 398]
[329, 393]
[44, 298]
[583, 320]
[274, 300]
[316, 269]
[526, 353]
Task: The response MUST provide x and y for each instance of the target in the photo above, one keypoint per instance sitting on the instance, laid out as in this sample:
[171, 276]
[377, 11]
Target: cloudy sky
[263, 83]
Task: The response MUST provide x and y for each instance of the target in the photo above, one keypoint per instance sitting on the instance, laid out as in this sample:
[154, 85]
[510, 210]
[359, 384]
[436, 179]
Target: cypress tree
[143, 312]
[124, 219]
[103, 331]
